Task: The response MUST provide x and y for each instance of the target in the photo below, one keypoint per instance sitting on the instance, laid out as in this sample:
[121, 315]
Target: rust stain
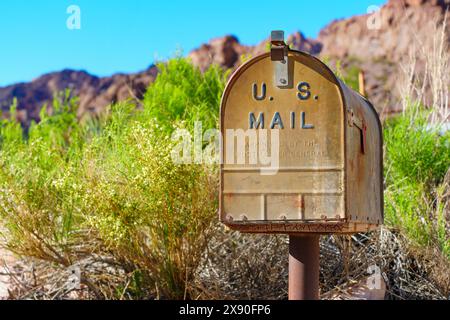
[299, 203]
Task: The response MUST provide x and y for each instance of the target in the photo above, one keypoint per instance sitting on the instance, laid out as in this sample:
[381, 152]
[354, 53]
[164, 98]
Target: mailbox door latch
[359, 123]
[279, 53]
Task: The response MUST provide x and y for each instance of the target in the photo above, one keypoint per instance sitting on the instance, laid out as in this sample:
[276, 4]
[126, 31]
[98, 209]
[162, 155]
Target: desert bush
[416, 161]
[416, 151]
[108, 192]
[37, 206]
[105, 195]
[418, 146]
[182, 93]
[150, 212]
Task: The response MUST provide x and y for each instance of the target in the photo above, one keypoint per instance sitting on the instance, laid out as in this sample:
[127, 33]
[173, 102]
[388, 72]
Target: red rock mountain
[375, 44]
[380, 52]
[94, 93]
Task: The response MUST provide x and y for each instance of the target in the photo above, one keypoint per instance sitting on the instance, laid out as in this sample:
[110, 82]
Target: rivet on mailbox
[302, 152]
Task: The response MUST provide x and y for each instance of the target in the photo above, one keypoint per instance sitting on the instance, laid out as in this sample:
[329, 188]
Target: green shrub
[407, 208]
[71, 189]
[38, 206]
[149, 211]
[182, 93]
[417, 158]
[416, 151]
[108, 189]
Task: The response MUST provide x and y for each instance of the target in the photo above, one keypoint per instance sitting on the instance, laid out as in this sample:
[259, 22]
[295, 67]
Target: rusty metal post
[304, 267]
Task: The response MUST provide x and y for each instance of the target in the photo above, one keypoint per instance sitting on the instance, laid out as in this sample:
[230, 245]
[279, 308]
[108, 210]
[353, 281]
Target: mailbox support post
[304, 255]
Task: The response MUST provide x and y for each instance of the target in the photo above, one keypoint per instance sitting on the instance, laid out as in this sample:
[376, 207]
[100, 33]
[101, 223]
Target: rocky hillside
[377, 51]
[404, 25]
[376, 44]
[95, 93]
[228, 52]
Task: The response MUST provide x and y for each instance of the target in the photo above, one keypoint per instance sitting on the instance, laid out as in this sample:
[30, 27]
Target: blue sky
[128, 35]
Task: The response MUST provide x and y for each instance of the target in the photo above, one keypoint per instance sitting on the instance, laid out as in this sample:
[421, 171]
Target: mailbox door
[308, 116]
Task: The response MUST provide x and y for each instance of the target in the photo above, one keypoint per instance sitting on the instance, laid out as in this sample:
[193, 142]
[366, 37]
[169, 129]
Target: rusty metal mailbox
[324, 139]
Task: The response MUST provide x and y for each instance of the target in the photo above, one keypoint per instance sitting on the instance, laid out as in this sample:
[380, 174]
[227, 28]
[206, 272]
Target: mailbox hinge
[359, 123]
[279, 54]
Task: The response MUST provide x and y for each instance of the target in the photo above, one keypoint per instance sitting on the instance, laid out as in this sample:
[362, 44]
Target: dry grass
[243, 266]
[406, 271]
[239, 266]
[425, 79]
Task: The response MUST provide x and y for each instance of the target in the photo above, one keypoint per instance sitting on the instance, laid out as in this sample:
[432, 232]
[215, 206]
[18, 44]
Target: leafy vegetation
[183, 93]
[108, 190]
[109, 186]
[417, 160]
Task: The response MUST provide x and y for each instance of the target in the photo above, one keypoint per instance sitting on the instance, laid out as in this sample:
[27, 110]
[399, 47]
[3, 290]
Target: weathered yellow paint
[329, 178]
